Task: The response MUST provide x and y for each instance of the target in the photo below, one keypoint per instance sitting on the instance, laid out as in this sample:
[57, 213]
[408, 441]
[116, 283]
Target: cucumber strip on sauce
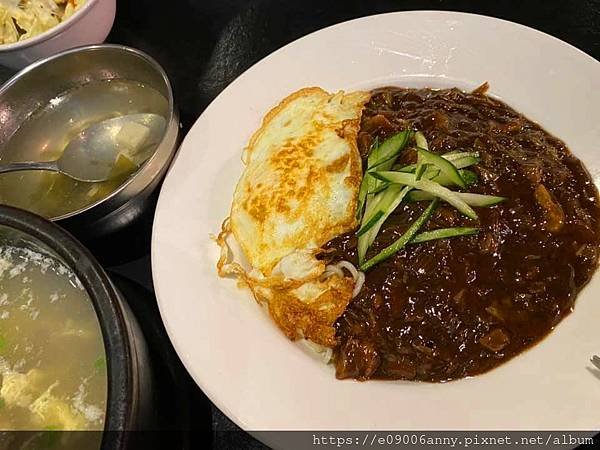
[457, 155]
[443, 233]
[420, 170]
[385, 154]
[431, 174]
[386, 203]
[362, 194]
[429, 186]
[382, 203]
[362, 248]
[395, 177]
[372, 154]
[478, 200]
[421, 164]
[468, 177]
[407, 169]
[421, 141]
[372, 206]
[389, 151]
[458, 160]
[401, 242]
[445, 166]
[382, 156]
[382, 187]
[447, 195]
[371, 210]
[366, 184]
[465, 161]
[370, 222]
[394, 196]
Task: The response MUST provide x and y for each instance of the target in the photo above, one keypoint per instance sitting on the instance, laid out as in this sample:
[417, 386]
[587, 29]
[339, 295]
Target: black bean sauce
[458, 307]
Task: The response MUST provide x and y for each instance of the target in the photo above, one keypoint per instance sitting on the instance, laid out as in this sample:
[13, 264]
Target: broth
[44, 136]
[52, 362]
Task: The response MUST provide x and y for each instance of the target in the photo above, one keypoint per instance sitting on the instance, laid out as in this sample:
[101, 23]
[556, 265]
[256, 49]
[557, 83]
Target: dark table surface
[205, 44]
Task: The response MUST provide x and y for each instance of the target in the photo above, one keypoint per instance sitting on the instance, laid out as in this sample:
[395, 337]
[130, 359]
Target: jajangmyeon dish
[412, 234]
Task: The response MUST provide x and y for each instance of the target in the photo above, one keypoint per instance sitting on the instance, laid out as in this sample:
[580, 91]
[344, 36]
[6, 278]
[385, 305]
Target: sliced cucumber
[445, 166]
[456, 156]
[384, 155]
[447, 195]
[460, 160]
[392, 199]
[443, 233]
[371, 209]
[370, 222]
[421, 163]
[382, 190]
[421, 141]
[466, 161]
[429, 186]
[373, 153]
[381, 187]
[367, 183]
[362, 248]
[468, 177]
[407, 169]
[401, 242]
[395, 177]
[362, 194]
[478, 200]
[420, 170]
[384, 204]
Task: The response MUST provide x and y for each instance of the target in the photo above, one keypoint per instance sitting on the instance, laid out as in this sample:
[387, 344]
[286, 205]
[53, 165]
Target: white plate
[238, 357]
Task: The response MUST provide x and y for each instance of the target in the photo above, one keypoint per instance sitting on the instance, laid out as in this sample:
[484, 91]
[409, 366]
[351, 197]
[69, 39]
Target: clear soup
[52, 362]
[44, 136]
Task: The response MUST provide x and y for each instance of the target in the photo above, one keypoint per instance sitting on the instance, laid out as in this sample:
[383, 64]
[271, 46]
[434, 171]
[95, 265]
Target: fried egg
[298, 191]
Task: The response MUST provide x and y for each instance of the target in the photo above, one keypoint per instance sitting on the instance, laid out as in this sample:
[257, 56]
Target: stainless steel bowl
[35, 85]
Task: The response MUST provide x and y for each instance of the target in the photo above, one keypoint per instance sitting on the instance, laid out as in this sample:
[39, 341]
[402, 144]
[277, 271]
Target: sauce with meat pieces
[458, 307]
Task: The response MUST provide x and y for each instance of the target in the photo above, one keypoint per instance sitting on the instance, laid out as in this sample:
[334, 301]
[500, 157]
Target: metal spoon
[92, 154]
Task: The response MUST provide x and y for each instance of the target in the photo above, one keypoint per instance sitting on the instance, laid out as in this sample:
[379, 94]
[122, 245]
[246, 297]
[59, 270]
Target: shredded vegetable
[401, 242]
[443, 233]
[24, 19]
[385, 186]
[478, 200]
[429, 186]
